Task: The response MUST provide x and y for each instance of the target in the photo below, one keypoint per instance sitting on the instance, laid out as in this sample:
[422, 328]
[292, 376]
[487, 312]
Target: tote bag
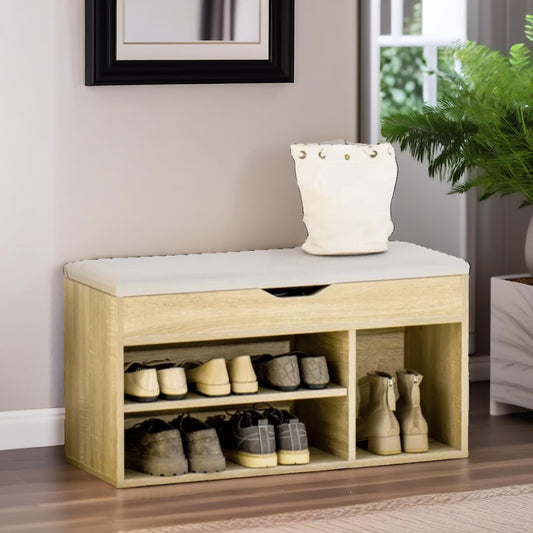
[346, 191]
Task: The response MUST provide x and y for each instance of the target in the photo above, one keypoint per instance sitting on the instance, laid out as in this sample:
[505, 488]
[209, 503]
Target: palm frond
[519, 56]
[529, 27]
[483, 119]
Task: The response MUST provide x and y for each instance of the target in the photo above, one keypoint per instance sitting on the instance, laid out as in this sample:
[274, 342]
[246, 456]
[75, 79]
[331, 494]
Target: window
[407, 39]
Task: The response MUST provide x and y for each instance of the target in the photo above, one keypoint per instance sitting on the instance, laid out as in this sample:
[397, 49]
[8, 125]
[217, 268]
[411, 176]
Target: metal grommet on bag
[321, 155]
[347, 156]
[302, 155]
[371, 152]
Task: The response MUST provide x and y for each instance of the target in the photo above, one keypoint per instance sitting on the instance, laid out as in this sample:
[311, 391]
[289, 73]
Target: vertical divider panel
[352, 393]
[436, 352]
[330, 422]
[93, 382]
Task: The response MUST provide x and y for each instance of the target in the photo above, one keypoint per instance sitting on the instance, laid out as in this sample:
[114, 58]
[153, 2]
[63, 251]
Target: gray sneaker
[247, 438]
[291, 437]
[201, 444]
[278, 372]
[154, 447]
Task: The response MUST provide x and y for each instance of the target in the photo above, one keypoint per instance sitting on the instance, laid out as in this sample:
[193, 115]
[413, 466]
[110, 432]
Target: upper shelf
[195, 401]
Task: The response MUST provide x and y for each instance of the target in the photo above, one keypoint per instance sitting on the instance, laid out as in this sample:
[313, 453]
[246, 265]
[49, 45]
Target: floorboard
[39, 491]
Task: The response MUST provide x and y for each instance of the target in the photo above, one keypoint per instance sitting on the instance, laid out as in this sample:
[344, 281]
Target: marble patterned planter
[511, 345]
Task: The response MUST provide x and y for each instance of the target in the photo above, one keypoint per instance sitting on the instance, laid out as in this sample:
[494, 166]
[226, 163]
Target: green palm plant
[483, 121]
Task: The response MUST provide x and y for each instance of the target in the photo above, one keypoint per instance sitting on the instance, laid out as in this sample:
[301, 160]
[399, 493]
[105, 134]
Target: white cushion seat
[259, 269]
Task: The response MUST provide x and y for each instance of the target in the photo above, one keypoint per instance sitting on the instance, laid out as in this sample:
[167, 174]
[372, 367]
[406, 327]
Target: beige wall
[116, 171]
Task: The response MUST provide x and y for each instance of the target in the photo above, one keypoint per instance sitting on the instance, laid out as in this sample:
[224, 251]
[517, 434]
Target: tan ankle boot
[381, 427]
[413, 425]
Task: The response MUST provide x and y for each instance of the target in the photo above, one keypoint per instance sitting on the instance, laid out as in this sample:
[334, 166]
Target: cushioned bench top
[259, 269]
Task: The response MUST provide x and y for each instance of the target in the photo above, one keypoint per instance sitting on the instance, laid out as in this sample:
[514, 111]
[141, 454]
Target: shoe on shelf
[278, 372]
[247, 438]
[140, 383]
[210, 378]
[413, 425]
[380, 427]
[202, 446]
[171, 379]
[313, 370]
[154, 447]
[291, 437]
[242, 375]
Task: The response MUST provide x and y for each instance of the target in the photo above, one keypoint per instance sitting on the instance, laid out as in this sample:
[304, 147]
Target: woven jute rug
[501, 510]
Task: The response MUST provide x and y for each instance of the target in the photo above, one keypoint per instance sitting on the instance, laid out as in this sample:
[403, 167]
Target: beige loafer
[242, 375]
[171, 378]
[210, 378]
[140, 383]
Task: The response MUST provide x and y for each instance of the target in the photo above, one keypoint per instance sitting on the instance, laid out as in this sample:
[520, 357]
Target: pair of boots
[386, 433]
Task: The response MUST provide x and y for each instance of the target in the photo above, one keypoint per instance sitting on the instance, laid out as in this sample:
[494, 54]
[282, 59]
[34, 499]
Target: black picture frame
[102, 67]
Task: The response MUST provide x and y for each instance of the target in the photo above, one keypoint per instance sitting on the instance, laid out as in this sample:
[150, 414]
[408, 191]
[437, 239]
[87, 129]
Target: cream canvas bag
[346, 194]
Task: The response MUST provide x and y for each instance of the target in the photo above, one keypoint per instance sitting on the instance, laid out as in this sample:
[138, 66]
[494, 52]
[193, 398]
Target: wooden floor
[39, 491]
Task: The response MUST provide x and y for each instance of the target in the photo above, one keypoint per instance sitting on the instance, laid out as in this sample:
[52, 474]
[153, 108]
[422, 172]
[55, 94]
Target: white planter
[511, 345]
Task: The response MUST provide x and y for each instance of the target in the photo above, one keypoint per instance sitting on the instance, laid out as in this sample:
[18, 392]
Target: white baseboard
[44, 427]
[479, 366]
[31, 428]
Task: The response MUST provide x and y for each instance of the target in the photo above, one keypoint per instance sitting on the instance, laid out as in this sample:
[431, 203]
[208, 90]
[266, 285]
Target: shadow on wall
[272, 207]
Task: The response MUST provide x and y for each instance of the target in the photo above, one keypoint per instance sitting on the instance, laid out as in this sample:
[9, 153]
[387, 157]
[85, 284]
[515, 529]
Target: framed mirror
[131, 42]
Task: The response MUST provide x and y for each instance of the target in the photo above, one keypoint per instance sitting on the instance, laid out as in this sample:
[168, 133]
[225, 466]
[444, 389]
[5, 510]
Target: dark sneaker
[154, 447]
[291, 437]
[247, 439]
[201, 444]
[278, 372]
[313, 370]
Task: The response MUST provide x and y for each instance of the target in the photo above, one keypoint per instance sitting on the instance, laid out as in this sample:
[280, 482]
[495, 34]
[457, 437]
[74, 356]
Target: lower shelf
[437, 452]
[320, 460]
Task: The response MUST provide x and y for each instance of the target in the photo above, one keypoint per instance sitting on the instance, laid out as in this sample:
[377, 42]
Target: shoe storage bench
[406, 308]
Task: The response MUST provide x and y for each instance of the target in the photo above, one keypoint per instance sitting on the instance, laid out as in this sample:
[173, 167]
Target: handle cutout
[292, 292]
